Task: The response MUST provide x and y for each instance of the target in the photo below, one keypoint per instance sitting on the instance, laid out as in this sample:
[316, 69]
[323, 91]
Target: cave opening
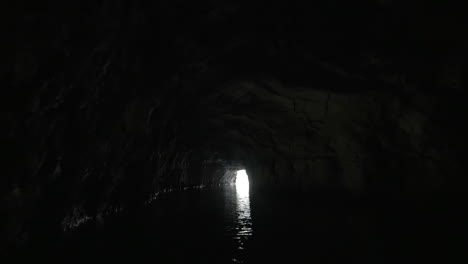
[242, 181]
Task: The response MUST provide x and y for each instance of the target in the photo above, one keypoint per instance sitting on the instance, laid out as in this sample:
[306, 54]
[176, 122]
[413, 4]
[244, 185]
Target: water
[214, 226]
[238, 219]
[211, 225]
[225, 225]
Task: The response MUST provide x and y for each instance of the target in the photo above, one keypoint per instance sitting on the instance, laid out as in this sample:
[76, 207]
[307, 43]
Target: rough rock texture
[107, 103]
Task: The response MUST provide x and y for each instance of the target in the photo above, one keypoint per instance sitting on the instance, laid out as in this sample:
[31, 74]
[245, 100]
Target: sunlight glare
[242, 181]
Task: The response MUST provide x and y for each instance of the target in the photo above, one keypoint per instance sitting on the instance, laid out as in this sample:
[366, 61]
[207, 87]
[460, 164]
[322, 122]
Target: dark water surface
[222, 225]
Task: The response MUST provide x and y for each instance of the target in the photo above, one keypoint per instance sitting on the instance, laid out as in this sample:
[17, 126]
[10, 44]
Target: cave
[126, 126]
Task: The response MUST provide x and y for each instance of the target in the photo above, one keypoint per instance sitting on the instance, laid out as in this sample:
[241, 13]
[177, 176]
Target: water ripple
[239, 226]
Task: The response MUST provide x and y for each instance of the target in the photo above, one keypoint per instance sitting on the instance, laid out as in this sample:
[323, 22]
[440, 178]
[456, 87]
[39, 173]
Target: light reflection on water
[240, 228]
[244, 221]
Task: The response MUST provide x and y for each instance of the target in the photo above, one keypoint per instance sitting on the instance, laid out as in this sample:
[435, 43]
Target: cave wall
[88, 129]
[374, 141]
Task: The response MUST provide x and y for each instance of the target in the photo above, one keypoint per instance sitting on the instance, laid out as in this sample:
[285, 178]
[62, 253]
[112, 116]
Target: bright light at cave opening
[242, 181]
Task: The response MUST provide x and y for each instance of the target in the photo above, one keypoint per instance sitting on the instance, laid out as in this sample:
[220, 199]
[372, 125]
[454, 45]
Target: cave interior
[109, 106]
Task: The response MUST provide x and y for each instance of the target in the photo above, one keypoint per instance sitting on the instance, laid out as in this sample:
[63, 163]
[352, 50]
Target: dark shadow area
[202, 226]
